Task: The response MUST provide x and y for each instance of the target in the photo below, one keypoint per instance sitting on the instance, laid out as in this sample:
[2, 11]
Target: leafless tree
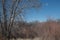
[12, 9]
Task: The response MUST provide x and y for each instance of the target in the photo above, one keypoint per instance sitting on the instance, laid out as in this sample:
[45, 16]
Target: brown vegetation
[49, 30]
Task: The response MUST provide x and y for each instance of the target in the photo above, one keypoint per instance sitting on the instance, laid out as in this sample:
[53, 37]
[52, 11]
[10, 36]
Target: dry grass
[28, 39]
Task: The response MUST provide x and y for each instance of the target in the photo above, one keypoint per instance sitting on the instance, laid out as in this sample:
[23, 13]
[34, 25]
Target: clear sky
[50, 8]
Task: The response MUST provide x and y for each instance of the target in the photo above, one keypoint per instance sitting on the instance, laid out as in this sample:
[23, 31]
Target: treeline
[49, 30]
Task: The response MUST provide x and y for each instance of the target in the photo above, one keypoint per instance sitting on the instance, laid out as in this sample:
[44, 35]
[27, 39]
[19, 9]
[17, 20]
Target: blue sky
[50, 8]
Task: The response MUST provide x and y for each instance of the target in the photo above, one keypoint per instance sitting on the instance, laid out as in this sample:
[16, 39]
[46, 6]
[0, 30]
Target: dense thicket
[49, 30]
